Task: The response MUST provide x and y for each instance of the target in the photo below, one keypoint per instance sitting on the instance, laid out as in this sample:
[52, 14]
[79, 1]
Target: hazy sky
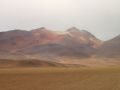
[100, 17]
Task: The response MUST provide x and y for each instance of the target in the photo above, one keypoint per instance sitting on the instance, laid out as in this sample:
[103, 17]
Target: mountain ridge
[41, 41]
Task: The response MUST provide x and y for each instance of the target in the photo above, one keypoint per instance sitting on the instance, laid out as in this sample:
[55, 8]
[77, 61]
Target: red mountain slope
[73, 42]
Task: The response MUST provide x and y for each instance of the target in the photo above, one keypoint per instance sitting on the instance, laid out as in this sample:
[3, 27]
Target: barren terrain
[60, 79]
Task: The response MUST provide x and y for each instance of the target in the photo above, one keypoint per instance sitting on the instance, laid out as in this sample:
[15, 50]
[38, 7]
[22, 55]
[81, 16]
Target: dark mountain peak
[39, 29]
[77, 32]
[73, 29]
[86, 33]
[42, 28]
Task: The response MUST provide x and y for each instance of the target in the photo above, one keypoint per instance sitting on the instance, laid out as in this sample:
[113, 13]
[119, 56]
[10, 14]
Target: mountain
[84, 37]
[12, 40]
[110, 48]
[43, 42]
[15, 40]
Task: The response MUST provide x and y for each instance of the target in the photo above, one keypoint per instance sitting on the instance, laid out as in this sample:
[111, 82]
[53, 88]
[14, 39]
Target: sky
[100, 17]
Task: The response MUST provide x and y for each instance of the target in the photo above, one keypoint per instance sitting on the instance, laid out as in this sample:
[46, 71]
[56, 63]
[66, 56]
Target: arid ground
[60, 79]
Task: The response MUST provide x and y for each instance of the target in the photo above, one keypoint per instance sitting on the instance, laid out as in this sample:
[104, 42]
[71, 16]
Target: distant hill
[50, 44]
[110, 48]
[71, 43]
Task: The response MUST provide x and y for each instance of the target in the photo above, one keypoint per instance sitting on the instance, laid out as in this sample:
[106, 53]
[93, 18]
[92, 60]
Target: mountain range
[50, 44]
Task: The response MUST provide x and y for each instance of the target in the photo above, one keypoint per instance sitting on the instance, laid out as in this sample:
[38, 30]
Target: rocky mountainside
[41, 41]
[110, 48]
